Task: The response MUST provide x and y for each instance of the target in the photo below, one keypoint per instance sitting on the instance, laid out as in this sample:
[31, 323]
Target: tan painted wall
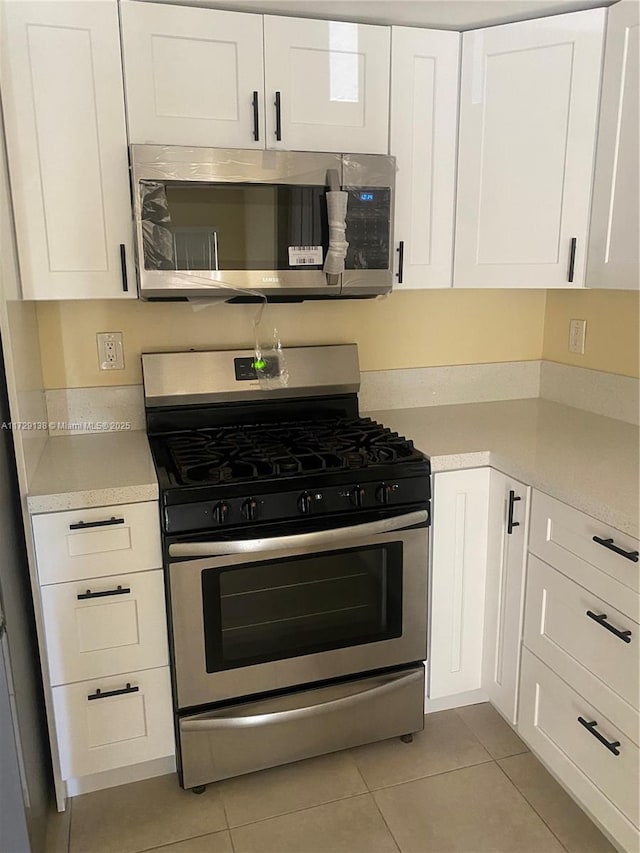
[411, 329]
[611, 342]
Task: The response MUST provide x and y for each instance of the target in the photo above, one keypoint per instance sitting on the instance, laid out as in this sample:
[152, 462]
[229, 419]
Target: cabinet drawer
[564, 537]
[106, 626]
[549, 711]
[559, 630]
[102, 730]
[90, 543]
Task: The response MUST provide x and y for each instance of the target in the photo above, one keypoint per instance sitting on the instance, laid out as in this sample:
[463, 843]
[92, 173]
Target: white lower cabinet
[578, 701]
[589, 753]
[112, 722]
[102, 600]
[458, 567]
[583, 638]
[104, 626]
[504, 598]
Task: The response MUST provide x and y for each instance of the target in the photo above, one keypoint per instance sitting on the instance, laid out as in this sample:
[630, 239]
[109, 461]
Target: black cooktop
[246, 453]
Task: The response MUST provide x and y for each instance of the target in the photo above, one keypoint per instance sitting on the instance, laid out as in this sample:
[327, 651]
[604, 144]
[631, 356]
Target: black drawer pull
[99, 694]
[278, 105]
[612, 746]
[572, 258]
[510, 522]
[83, 525]
[625, 636]
[400, 251]
[608, 543]
[123, 267]
[256, 126]
[118, 591]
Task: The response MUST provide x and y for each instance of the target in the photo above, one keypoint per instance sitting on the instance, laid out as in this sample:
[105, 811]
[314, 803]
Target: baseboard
[121, 776]
[458, 700]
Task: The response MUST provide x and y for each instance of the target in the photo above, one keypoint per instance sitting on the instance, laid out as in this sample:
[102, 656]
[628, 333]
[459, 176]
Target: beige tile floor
[467, 783]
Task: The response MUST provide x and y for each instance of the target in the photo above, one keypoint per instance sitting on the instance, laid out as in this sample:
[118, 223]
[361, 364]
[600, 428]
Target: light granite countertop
[95, 469]
[586, 460]
[583, 459]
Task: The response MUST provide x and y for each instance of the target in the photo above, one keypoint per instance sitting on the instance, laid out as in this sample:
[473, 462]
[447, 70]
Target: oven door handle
[218, 720]
[314, 540]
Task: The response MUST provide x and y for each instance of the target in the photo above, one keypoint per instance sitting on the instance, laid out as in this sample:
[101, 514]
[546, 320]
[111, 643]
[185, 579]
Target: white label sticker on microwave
[305, 256]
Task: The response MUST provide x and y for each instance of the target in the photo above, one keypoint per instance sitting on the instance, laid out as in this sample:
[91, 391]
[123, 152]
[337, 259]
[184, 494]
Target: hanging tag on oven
[305, 256]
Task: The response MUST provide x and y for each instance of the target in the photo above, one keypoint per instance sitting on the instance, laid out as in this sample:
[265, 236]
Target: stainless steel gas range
[295, 548]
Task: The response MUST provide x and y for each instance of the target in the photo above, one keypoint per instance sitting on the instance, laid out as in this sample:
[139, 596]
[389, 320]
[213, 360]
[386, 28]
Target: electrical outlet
[577, 333]
[110, 351]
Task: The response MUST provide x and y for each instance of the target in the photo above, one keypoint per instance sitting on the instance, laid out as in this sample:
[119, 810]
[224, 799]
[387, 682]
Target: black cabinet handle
[510, 522]
[118, 591]
[608, 543]
[256, 127]
[278, 107]
[400, 251]
[572, 258]
[123, 267]
[625, 636]
[612, 746]
[99, 694]
[83, 525]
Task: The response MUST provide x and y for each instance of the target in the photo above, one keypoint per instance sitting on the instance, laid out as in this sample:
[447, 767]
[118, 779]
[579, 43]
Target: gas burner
[234, 454]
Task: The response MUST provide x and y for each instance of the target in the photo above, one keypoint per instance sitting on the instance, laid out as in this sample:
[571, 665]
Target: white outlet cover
[110, 350]
[577, 334]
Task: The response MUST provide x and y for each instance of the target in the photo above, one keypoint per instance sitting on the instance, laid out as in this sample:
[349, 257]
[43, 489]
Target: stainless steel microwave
[241, 224]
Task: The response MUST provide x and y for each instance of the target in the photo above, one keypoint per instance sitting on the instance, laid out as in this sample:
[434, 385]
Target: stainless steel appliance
[295, 538]
[239, 223]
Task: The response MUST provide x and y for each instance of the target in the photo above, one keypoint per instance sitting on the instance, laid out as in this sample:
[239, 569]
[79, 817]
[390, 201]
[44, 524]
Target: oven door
[257, 615]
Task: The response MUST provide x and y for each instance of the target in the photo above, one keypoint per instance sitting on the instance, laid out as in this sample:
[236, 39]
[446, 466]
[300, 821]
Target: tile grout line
[301, 809]
[530, 804]
[69, 827]
[431, 775]
[182, 840]
[384, 820]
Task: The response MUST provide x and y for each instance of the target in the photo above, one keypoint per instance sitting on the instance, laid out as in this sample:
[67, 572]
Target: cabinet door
[104, 626]
[326, 85]
[528, 113]
[67, 146]
[424, 120]
[504, 599]
[458, 568]
[192, 76]
[613, 241]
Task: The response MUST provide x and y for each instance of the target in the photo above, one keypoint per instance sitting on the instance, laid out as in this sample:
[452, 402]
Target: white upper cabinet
[326, 86]
[528, 114]
[67, 149]
[613, 241]
[424, 126]
[193, 76]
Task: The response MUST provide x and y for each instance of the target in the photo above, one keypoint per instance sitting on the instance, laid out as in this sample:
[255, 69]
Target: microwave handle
[314, 540]
[333, 182]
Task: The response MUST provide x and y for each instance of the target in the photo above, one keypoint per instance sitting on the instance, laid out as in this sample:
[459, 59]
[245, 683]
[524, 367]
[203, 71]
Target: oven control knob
[356, 496]
[304, 503]
[383, 493]
[221, 512]
[250, 509]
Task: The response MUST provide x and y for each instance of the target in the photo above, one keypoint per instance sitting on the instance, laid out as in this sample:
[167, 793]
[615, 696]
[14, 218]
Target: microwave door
[237, 224]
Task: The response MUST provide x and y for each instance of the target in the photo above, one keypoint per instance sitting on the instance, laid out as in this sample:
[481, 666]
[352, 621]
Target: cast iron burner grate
[234, 454]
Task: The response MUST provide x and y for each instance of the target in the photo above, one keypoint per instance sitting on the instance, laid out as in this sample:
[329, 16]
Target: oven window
[294, 606]
[232, 226]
